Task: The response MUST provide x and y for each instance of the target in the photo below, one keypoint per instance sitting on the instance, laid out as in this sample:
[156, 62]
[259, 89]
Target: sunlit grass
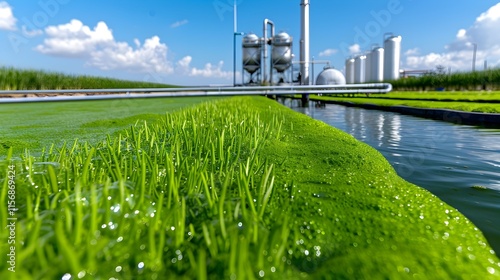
[236, 188]
[185, 196]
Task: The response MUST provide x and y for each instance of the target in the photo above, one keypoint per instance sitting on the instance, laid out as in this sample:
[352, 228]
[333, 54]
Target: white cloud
[7, 19]
[328, 52]
[458, 54]
[179, 23]
[411, 52]
[100, 49]
[209, 71]
[354, 49]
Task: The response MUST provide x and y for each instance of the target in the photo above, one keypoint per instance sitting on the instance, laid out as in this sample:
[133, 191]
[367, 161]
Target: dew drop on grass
[118, 269]
[140, 265]
[66, 276]
[120, 239]
[261, 273]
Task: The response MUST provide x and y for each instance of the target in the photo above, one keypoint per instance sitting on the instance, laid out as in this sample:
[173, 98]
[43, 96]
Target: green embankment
[470, 103]
[26, 79]
[236, 187]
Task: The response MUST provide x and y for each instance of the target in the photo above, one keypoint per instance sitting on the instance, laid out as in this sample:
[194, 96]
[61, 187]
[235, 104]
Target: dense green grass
[461, 96]
[17, 79]
[479, 80]
[240, 187]
[425, 101]
[38, 125]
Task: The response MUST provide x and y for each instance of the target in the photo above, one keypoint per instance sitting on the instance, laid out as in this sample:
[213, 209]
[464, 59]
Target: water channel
[459, 164]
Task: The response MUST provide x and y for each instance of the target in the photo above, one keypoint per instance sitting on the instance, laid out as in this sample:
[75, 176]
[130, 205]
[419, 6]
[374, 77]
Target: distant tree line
[440, 80]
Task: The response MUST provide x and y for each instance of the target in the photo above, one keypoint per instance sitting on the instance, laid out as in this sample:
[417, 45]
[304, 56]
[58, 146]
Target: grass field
[234, 188]
[25, 79]
[39, 125]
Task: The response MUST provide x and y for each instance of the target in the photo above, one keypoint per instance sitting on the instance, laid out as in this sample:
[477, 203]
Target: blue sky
[190, 42]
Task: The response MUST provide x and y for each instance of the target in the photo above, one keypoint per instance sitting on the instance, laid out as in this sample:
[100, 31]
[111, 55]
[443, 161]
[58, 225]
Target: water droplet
[240, 224]
[141, 264]
[306, 252]
[81, 274]
[120, 239]
[172, 228]
[273, 269]
[66, 276]
[491, 270]
[118, 269]
[261, 273]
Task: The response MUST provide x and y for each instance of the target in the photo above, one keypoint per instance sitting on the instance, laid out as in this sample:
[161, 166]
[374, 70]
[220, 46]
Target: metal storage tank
[368, 67]
[378, 64]
[281, 55]
[330, 76]
[392, 46]
[349, 71]
[359, 69]
[251, 53]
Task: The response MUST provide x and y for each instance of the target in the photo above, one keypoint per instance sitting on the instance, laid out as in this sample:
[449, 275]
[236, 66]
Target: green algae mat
[238, 188]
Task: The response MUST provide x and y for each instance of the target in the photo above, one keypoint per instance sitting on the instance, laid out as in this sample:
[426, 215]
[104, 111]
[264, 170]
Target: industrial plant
[377, 65]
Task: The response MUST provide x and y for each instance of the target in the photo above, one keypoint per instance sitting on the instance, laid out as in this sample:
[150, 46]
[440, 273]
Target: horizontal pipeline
[193, 92]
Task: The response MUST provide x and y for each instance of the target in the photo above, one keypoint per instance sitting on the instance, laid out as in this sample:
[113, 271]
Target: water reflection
[458, 163]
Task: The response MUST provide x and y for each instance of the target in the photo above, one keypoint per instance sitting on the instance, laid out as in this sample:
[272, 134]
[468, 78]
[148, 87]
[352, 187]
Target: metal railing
[99, 94]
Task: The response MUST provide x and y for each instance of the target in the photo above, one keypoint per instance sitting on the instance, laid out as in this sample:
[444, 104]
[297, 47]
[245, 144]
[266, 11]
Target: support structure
[304, 46]
[264, 47]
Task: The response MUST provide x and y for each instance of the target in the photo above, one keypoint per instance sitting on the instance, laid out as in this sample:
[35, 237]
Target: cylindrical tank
[330, 76]
[359, 69]
[281, 55]
[349, 71]
[251, 53]
[368, 67]
[378, 64]
[392, 46]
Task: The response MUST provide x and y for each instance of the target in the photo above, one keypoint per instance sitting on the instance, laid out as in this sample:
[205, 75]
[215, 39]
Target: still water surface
[459, 164]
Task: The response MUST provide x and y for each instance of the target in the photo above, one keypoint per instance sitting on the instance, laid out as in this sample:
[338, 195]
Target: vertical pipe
[234, 43]
[264, 46]
[304, 42]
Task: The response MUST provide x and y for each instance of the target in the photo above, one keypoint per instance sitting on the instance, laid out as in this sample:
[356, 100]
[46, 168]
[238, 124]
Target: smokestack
[304, 42]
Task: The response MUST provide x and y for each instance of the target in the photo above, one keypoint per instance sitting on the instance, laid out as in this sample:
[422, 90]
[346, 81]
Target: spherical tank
[281, 54]
[359, 69]
[392, 46]
[251, 53]
[378, 64]
[349, 71]
[330, 76]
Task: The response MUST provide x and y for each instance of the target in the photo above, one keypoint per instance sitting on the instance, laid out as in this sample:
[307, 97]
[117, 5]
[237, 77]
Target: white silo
[378, 64]
[349, 70]
[359, 69]
[368, 67]
[392, 46]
